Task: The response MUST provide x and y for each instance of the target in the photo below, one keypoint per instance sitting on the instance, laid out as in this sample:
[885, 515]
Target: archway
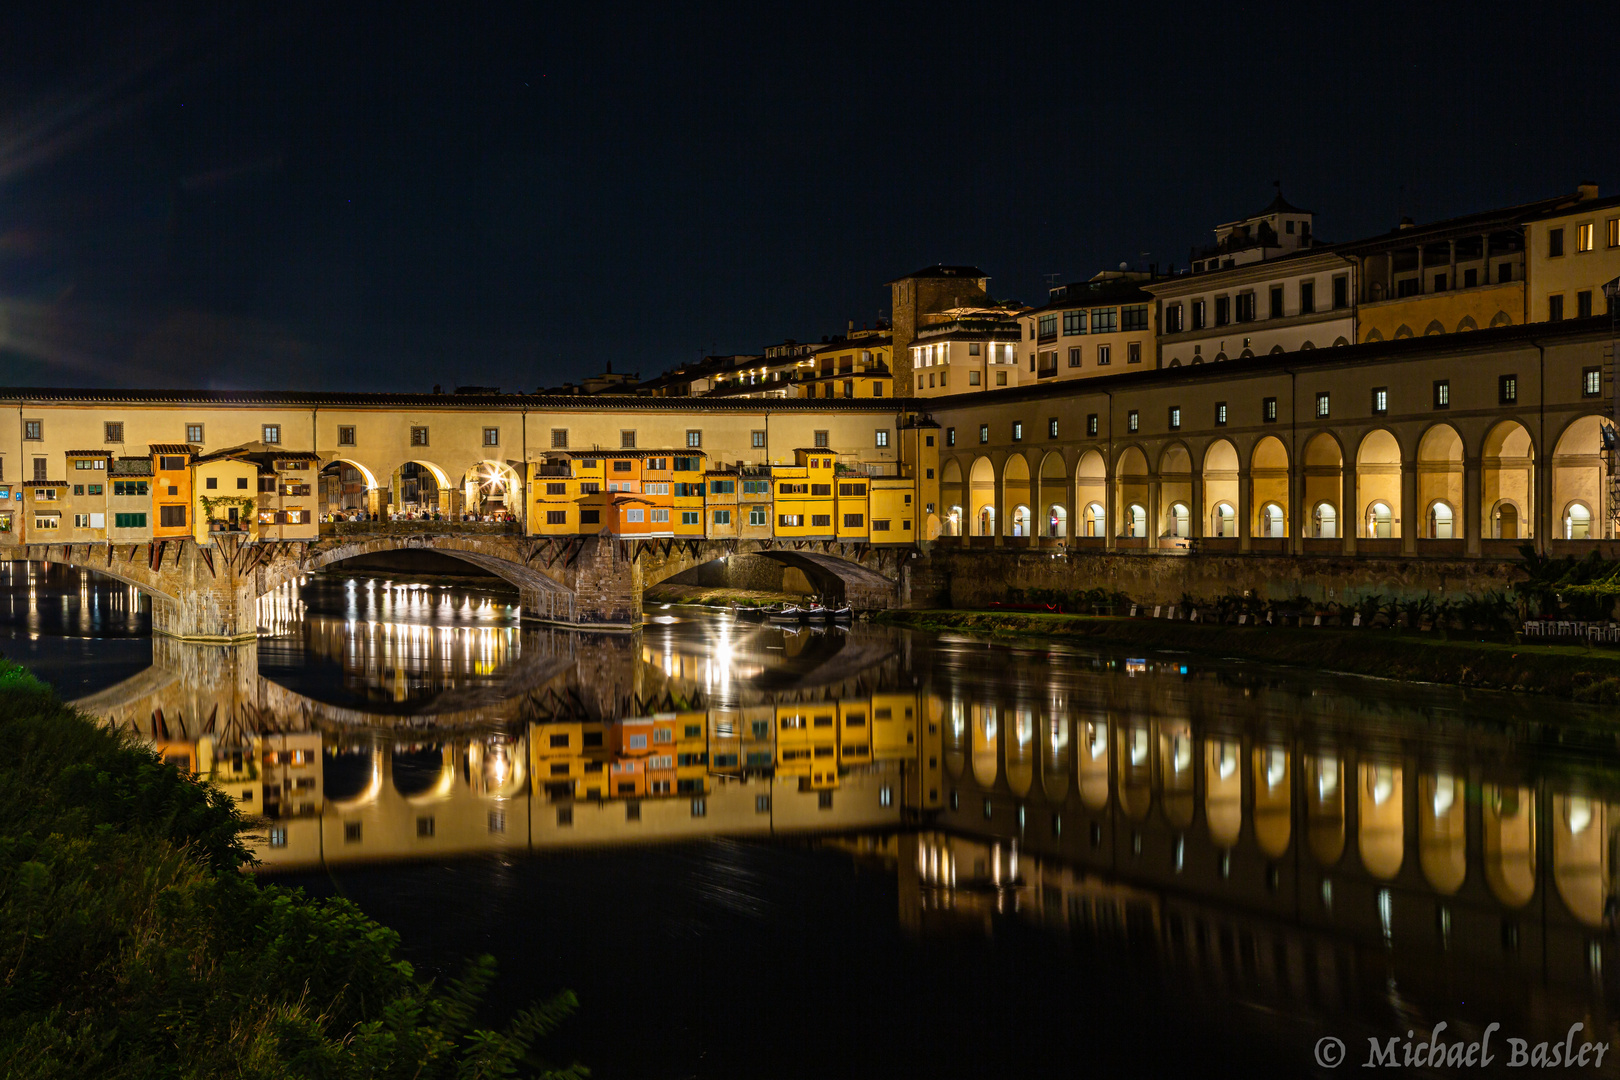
[1015, 494]
[1053, 495]
[1382, 833]
[1440, 481]
[346, 488]
[1268, 483]
[1580, 476]
[492, 490]
[1508, 472]
[1091, 492]
[1509, 819]
[1324, 483]
[1378, 485]
[1442, 832]
[1581, 850]
[1175, 490]
[982, 496]
[1223, 791]
[1273, 801]
[950, 494]
[1220, 479]
[1324, 809]
[419, 489]
[1132, 474]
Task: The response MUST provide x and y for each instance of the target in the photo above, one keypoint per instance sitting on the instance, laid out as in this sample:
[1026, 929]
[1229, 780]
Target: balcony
[556, 471]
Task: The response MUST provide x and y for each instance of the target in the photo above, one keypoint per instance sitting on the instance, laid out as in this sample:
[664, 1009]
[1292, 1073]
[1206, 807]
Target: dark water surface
[874, 853]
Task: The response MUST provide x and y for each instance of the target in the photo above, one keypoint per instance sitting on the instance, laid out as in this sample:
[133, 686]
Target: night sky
[349, 197]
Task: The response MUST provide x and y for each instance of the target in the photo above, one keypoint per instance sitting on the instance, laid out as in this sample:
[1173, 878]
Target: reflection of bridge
[208, 592]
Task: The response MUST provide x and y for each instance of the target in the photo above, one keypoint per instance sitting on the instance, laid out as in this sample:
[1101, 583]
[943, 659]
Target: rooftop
[940, 270]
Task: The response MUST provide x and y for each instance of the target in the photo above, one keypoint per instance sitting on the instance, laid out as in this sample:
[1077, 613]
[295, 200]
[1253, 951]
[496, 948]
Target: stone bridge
[208, 592]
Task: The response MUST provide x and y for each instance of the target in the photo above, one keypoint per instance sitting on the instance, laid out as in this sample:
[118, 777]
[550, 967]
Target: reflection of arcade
[1350, 854]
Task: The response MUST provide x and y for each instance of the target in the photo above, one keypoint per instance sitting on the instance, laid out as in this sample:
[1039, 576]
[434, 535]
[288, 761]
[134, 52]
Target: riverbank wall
[970, 578]
[1567, 671]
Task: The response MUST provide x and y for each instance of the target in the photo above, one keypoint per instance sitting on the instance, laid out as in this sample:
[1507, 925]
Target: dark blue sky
[394, 196]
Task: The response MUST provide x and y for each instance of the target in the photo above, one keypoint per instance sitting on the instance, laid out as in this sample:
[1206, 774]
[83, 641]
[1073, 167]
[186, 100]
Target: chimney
[1586, 190]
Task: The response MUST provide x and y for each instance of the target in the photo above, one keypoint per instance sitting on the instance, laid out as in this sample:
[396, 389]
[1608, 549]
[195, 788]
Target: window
[112, 431]
[694, 439]
[1018, 431]
[973, 378]
[1504, 273]
[1175, 418]
[1133, 317]
[129, 487]
[1585, 235]
[590, 517]
[1104, 320]
[172, 517]
[1583, 304]
[1133, 352]
[1091, 424]
[881, 524]
[1322, 405]
[1507, 389]
[723, 487]
[194, 433]
[559, 439]
[1052, 428]
[1442, 393]
[40, 465]
[424, 827]
[557, 488]
[660, 517]
[1074, 356]
[691, 517]
[1380, 400]
[1223, 310]
[1276, 302]
[1048, 325]
[821, 521]
[95, 489]
[1307, 297]
[1591, 382]
[756, 516]
[756, 487]
[211, 483]
[950, 436]
[790, 521]
[1133, 420]
[33, 430]
[345, 435]
[882, 437]
[1103, 358]
[1198, 314]
[129, 521]
[1555, 308]
[1001, 378]
[1172, 319]
[1268, 410]
[1555, 242]
[1220, 414]
[1074, 322]
[984, 433]
[556, 517]
[1245, 307]
[1341, 291]
[722, 517]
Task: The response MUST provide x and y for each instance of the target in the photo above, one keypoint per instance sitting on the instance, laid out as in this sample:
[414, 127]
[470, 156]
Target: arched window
[1020, 521]
[1135, 520]
[1180, 520]
[1441, 522]
[987, 521]
[1505, 522]
[1325, 521]
[1057, 521]
[1577, 522]
[1380, 522]
[1271, 521]
[1223, 520]
[1094, 519]
[953, 524]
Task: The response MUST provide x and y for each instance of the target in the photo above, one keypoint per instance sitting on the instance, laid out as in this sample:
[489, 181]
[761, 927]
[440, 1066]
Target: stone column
[999, 530]
[1071, 499]
[1195, 506]
[1545, 527]
[1473, 493]
[1410, 525]
[1298, 512]
[1349, 517]
[1110, 501]
[1245, 509]
[1154, 525]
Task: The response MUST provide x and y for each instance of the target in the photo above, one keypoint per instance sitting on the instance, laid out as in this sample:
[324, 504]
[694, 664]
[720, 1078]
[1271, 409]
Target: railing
[553, 470]
[415, 528]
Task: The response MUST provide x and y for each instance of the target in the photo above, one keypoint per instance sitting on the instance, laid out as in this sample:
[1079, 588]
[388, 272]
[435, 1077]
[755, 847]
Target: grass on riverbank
[132, 944]
[1569, 671]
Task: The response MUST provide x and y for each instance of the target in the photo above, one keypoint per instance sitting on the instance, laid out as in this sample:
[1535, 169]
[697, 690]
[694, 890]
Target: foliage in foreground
[132, 944]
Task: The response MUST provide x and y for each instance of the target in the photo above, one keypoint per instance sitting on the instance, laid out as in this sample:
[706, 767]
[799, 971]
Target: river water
[872, 852]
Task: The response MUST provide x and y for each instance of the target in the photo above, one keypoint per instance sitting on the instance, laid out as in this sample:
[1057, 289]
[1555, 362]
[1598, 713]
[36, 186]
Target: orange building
[171, 490]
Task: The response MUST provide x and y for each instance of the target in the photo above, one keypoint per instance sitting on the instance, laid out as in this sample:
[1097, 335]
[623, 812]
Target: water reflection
[1313, 845]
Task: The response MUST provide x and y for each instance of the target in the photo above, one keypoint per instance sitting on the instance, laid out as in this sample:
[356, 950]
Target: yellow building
[171, 490]
[42, 509]
[227, 491]
[1573, 252]
[804, 496]
[129, 500]
[965, 355]
[84, 512]
[1088, 328]
[860, 366]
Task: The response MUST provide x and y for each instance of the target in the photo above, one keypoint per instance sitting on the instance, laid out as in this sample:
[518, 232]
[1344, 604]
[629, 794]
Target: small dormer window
[1288, 226]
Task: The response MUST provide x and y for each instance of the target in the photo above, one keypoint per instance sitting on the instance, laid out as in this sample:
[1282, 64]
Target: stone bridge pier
[209, 592]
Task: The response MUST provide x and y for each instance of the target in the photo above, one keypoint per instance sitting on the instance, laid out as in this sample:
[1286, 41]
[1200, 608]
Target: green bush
[134, 944]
